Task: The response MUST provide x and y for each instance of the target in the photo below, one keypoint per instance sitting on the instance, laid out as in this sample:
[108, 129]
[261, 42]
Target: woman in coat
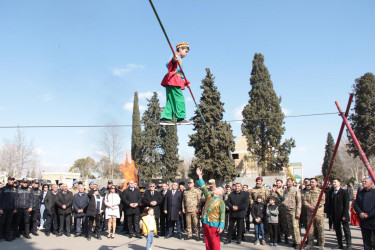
[43, 214]
[112, 212]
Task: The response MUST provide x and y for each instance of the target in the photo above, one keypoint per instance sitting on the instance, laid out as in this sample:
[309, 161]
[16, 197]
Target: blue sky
[79, 63]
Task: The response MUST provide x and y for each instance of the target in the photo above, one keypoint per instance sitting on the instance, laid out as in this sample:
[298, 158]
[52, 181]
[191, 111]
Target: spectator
[153, 199]
[94, 211]
[64, 203]
[365, 208]
[173, 209]
[132, 198]
[51, 211]
[149, 228]
[43, 214]
[258, 212]
[80, 203]
[272, 213]
[112, 202]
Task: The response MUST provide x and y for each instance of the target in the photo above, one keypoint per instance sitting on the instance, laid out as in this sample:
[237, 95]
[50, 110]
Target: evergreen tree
[330, 146]
[170, 156]
[136, 132]
[151, 141]
[263, 121]
[214, 140]
[363, 119]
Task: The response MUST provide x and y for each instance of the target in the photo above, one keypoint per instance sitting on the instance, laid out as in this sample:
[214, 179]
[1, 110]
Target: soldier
[292, 204]
[260, 189]
[74, 188]
[8, 208]
[35, 213]
[190, 207]
[303, 221]
[211, 184]
[24, 205]
[310, 202]
[277, 192]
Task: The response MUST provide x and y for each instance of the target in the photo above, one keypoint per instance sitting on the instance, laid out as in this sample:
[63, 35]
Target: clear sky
[79, 63]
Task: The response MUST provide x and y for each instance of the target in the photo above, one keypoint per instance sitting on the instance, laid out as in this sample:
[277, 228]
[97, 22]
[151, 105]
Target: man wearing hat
[211, 184]
[190, 207]
[24, 205]
[35, 213]
[74, 188]
[260, 189]
[7, 208]
[174, 82]
[304, 192]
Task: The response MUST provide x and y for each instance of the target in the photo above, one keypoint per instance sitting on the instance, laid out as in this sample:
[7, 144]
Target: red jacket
[173, 77]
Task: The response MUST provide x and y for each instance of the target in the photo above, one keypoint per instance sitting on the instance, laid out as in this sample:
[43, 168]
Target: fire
[128, 169]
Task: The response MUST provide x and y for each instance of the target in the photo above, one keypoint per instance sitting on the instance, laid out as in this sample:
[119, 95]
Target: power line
[129, 125]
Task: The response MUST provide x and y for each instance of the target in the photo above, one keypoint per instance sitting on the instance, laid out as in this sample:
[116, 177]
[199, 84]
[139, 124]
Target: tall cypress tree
[151, 141]
[330, 146]
[136, 146]
[263, 121]
[212, 140]
[170, 156]
[363, 119]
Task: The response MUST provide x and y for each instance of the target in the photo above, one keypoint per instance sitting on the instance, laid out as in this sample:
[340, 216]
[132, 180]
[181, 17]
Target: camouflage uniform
[304, 222]
[292, 204]
[192, 203]
[311, 198]
[279, 196]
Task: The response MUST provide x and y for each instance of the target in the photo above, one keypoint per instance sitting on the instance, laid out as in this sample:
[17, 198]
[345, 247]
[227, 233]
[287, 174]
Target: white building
[61, 177]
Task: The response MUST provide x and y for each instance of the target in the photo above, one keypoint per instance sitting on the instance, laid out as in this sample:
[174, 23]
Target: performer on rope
[174, 82]
[213, 214]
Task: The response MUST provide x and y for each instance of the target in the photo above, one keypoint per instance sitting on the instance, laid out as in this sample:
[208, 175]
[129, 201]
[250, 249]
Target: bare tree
[17, 156]
[110, 143]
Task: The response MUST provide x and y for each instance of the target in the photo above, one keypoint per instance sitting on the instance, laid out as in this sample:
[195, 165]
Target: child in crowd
[257, 212]
[174, 82]
[272, 213]
[149, 226]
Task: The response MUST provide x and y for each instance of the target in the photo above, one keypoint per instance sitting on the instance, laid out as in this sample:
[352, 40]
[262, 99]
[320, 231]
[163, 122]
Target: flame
[128, 169]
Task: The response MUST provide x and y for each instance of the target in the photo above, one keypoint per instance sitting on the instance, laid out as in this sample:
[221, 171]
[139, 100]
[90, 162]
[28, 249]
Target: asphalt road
[123, 242]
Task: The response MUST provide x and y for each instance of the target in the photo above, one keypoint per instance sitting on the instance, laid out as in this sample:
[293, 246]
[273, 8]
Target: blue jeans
[259, 227]
[150, 239]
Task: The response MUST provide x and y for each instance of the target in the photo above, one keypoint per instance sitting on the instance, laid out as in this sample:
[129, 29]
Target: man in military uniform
[310, 202]
[292, 204]
[260, 189]
[303, 222]
[24, 205]
[190, 207]
[8, 208]
[35, 213]
[211, 184]
[277, 192]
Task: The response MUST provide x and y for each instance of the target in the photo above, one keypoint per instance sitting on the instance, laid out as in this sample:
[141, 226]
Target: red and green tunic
[213, 213]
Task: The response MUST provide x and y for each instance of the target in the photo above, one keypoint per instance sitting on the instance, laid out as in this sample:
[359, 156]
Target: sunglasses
[152, 186]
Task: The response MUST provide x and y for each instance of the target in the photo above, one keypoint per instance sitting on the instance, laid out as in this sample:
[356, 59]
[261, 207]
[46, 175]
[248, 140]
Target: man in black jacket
[8, 208]
[338, 210]
[153, 198]
[238, 202]
[64, 204]
[173, 209]
[35, 213]
[365, 208]
[50, 204]
[163, 216]
[24, 205]
[132, 198]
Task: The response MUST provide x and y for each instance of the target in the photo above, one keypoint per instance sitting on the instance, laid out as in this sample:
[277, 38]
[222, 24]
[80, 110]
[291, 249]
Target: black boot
[286, 239]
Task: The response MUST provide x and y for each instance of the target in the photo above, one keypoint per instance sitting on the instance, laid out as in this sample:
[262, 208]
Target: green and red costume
[213, 217]
[174, 82]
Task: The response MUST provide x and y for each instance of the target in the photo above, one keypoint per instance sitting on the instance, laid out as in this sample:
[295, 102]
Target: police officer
[24, 205]
[35, 213]
[8, 208]
[190, 207]
[310, 202]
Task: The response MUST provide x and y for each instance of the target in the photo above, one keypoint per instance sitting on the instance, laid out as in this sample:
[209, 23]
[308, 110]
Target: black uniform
[24, 201]
[35, 213]
[8, 206]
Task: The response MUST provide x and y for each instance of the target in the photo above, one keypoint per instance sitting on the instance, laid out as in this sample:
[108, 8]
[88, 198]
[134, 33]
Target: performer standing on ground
[213, 214]
[174, 82]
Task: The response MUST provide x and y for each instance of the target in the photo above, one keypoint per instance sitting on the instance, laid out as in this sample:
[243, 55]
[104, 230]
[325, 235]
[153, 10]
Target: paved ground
[122, 242]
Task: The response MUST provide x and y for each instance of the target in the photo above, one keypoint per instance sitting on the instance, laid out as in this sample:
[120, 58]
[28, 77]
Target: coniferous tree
[170, 156]
[263, 121]
[213, 141]
[151, 141]
[363, 119]
[136, 146]
[330, 146]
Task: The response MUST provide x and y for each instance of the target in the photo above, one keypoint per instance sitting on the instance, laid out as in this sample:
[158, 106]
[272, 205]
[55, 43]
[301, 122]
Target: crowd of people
[278, 212]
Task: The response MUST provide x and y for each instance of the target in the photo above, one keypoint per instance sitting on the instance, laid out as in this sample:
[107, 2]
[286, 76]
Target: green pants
[175, 106]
